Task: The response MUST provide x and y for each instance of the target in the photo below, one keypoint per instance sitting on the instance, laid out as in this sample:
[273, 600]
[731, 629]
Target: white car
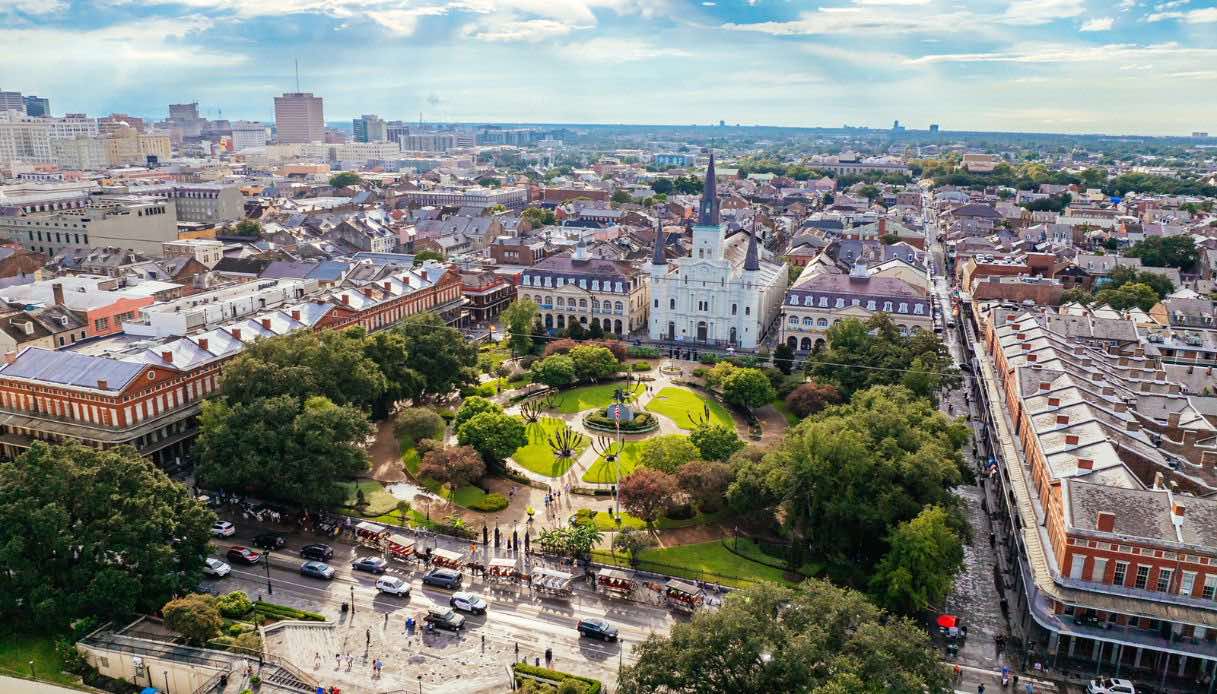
[1111, 685]
[392, 585]
[215, 567]
[223, 529]
[468, 602]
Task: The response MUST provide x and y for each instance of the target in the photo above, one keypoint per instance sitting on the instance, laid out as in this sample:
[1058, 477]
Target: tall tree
[862, 354]
[919, 570]
[304, 364]
[648, 493]
[783, 358]
[493, 434]
[1169, 251]
[748, 388]
[812, 639]
[440, 354]
[282, 447]
[518, 319]
[388, 350]
[90, 532]
[705, 482]
[716, 442]
[668, 452]
[593, 362]
[473, 406]
[456, 466]
[557, 370]
[812, 397]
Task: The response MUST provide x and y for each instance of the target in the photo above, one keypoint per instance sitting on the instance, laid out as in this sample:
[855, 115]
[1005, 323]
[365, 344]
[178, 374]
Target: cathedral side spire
[660, 257]
[752, 261]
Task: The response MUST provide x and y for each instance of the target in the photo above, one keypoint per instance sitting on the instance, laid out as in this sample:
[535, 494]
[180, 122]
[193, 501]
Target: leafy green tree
[194, 616]
[748, 388]
[496, 436]
[304, 364]
[662, 186]
[455, 466]
[843, 479]
[282, 447]
[862, 354]
[706, 482]
[621, 196]
[593, 362]
[518, 319]
[388, 350]
[473, 406]
[345, 179]
[716, 442]
[1167, 251]
[538, 217]
[103, 533]
[809, 398]
[439, 353]
[648, 493]
[783, 358]
[1134, 295]
[1077, 295]
[919, 570]
[249, 227]
[870, 192]
[557, 370]
[1123, 275]
[428, 254]
[631, 542]
[813, 638]
[667, 453]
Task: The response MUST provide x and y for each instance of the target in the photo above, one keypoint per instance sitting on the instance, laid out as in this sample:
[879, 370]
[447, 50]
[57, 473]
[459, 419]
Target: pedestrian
[980, 689]
[1030, 688]
[517, 649]
[958, 672]
[317, 661]
[368, 633]
[337, 661]
[386, 620]
[549, 657]
[537, 661]
[350, 661]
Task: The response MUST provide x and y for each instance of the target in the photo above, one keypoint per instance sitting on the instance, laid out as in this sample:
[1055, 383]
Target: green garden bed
[709, 561]
[588, 397]
[603, 472]
[537, 456]
[376, 499]
[679, 404]
[18, 649]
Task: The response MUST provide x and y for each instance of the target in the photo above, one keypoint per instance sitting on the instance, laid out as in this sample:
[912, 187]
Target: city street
[377, 624]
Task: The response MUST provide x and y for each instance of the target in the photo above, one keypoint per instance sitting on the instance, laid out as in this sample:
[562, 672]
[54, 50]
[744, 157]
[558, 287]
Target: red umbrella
[947, 621]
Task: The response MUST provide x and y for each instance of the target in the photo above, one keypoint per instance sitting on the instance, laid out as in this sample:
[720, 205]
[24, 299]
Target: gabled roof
[72, 369]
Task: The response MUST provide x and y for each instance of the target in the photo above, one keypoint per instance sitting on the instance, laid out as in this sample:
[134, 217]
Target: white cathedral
[725, 293]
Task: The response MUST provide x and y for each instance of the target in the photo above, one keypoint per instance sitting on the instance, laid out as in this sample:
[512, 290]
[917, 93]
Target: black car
[270, 541]
[317, 552]
[374, 565]
[443, 578]
[598, 629]
[444, 619]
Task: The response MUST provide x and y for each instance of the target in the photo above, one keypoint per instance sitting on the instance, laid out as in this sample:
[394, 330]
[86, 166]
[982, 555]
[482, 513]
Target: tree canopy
[815, 638]
[860, 355]
[493, 434]
[748, 388]
[439, 353]
[99, 533]
[919, 570]
[538, 217]
[668, 452]
[1166, 251]
[303, 364]
[716, 442]
[345, 179]
[518, 319]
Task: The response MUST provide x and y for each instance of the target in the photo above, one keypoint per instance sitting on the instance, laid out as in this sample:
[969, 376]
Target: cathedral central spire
[708, 213]
[659, 257]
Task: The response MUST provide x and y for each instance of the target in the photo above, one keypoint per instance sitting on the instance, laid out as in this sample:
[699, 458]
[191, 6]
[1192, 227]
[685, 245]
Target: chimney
[1053, 402]
[1108, 390]
[1179, 511]
[1085, 464]
[266, 323]
[1172, 420]
[167, 357]
[1105, 522]
[1071, 439]
[203, 343]
[1032, 357]
[102, 384]
[346, 300]
[1159, 375]
[388, 286]
[57, 292]
[1208, 461]
[236, 333]
[1123, 361]
[882, 226]
[1132, 425]
[1021, 336]
[1121, 406]
[1062, 419]
[296, 314]
[10, 357]
[1045, 385]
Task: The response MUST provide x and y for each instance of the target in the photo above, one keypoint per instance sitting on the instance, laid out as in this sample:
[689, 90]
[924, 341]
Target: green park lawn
[377, 500]
[588, 397]
[784, 410]
[603, 472]
[537, 456]
[678, 404]
[689, 561]
[605, 522]
[18, 649]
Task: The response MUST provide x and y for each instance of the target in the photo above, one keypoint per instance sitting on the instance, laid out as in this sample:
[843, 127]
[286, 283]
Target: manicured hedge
[593, 686]
[490, 503]
[267, 609]
[642, 352]
[642, 421]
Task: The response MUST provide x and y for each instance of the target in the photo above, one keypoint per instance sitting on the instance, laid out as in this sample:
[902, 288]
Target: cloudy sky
[1117, 66]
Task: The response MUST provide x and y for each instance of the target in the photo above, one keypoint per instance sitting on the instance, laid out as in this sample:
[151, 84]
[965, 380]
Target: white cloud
[1098, 24]
[709, 4]
[519, 30]
[1056, 53]
[870, 19]
[1126, 5]
[403, 22]
[33, 7]
[148, 42]
[1034, 12]
[619, 50]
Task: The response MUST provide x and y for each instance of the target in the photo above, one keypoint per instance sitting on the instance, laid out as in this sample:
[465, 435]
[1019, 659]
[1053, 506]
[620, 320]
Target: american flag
[617, 415]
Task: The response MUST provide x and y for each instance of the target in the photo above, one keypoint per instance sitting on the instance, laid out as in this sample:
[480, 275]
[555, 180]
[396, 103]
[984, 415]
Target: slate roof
[72, 369]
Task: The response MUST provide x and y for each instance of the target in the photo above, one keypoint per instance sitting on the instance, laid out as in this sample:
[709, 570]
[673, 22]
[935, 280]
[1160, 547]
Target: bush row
[490, 503]
[593, 686]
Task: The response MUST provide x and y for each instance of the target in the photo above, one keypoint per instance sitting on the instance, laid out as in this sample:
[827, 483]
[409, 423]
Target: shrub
[490, 503]
[417, 423]
[447, 414]
[504, 370]
[642, 421]
[641, 366]
[528, 361]
[700, 372]
[561, 346]
[642, 352]
[708, 358]
[680, 512]
[234, 605]
[810, 398]
[593, 686]
[586, 516]
[237, 628]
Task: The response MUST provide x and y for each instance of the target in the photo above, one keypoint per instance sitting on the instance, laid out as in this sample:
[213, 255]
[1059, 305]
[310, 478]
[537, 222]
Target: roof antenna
[297, 75]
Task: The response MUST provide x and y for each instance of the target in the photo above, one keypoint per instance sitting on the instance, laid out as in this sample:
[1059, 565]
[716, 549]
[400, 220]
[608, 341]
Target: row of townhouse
[1109, 480]
[150, 397]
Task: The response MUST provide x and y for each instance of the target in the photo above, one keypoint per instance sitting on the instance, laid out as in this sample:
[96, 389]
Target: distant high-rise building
[1199, 133]
[369, 128]
[395, 130]
[299, 117]
[246, 134]
[933, 127]
[37, 106]
[12, 101]
[184, 113]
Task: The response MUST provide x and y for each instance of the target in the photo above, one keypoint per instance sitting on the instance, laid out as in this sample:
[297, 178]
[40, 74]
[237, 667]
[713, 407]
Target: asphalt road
[513, 617]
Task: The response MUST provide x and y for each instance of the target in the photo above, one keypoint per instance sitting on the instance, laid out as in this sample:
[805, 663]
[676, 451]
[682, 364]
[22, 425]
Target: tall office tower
[299, 117]
[37, 106]
[395, 130]
[12, 101]
[369, 128]
[184, 113]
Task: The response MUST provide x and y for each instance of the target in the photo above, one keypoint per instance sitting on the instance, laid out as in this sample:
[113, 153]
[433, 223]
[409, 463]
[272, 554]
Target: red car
[243, 555]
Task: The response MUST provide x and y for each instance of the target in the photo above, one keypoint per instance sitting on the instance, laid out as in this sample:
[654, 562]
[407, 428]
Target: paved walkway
[12, 685]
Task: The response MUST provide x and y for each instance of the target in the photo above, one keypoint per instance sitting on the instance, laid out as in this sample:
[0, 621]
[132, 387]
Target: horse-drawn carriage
[371, 535]
[683, 597]
[553, 583]
[615, 583]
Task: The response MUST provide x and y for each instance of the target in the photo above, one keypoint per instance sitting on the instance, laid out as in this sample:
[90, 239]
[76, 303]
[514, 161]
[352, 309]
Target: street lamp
[270, 590]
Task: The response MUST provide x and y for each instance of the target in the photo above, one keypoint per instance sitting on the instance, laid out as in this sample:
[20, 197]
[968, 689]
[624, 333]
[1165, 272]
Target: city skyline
[1118, 67]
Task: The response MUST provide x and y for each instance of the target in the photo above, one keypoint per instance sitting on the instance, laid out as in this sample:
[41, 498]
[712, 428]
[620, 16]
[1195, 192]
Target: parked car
[444, 619]
[317, 569]
[270, 541]
[215, 567]
[392, 585]
[597, 629]
[317, 552]
[468, 602]
[1111, 685]
[374, 565]
[223, 529]
[243, 555]
[443, 578]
